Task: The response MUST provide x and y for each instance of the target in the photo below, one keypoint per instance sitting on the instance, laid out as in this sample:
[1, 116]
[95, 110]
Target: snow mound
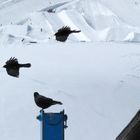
[133, 37]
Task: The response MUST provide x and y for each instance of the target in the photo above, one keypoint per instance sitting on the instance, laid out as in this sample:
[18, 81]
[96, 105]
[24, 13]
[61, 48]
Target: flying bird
[12, 66]
[44, 102]
[63, 33]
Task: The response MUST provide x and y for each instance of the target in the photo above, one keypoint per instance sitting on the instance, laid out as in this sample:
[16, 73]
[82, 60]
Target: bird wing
[44, 99]
[13, 71]
[63, 30]
[12, 61]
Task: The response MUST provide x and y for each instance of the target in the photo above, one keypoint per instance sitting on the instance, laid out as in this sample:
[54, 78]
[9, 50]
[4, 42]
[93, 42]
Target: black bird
[44, 102]
[12, 66]
[63, 33]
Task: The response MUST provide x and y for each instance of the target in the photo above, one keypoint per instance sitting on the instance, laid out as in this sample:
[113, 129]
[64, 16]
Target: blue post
[52, 125]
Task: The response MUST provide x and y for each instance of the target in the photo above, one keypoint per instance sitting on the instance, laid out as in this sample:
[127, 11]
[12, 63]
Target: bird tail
[75, 31]
[25, 65]
[57, 102]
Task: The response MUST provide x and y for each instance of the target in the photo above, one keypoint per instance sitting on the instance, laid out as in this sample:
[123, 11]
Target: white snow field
[96, 73]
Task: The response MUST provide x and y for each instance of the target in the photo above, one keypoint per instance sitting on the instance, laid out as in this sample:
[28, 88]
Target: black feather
[63, 33]
[12, 66]
[44, 102]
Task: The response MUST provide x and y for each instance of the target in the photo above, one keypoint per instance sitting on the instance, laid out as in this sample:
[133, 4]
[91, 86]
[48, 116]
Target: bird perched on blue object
[63, 33]
[44, 102]
[12, 66]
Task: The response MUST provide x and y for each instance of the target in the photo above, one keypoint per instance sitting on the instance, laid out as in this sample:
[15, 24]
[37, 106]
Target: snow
[96, 21]
[95, 73]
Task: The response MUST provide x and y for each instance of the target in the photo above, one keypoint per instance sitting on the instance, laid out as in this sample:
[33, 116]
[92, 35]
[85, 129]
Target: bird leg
[42, 110]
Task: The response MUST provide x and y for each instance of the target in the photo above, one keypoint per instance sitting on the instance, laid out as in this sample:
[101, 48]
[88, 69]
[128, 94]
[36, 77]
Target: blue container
[52, 125]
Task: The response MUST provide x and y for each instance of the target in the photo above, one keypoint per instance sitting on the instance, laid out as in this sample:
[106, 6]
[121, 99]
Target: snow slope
[128, 10]
[98, 82]
[13, 11]
[95, 20]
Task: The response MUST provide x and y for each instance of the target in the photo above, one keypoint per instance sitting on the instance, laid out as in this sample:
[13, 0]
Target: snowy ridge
[96, 22]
